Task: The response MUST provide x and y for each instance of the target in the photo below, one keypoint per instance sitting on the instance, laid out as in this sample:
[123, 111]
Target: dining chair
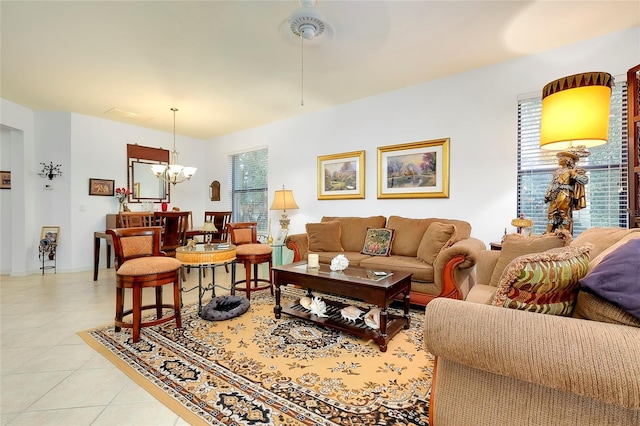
[174, 230]
[251, 253]
[220, 220]
[136, 219]
[141, 264]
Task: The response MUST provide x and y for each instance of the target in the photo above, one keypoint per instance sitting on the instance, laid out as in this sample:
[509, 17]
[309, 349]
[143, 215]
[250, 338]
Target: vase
[121, 208]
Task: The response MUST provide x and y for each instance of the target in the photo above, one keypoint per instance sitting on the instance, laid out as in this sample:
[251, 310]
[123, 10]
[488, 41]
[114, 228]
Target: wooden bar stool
[244, 235]
[141, 264]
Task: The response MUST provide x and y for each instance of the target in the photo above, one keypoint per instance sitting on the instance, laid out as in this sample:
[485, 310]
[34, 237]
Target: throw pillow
[514, 245]
[617, 278]
[437, 237]
[377, 241]
[324, 236]
[544, 282]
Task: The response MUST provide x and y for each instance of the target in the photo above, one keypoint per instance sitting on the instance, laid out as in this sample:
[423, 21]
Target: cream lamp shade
[283, 200]
[575, 111]
[209, 227]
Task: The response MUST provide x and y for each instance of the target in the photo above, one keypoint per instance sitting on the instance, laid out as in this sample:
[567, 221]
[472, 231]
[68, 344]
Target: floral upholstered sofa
[579, 366]
[440, 253]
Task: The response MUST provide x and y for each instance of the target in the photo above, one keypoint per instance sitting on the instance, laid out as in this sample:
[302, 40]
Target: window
[249, 192]
[606, 167]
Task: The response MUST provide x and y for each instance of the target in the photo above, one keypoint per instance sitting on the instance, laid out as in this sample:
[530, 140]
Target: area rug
[258, 370]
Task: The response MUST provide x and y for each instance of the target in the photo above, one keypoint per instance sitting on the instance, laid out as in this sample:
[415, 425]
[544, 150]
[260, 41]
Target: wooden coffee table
[355, 283]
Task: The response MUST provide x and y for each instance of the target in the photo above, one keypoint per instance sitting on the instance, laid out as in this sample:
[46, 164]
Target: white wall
[476, 110]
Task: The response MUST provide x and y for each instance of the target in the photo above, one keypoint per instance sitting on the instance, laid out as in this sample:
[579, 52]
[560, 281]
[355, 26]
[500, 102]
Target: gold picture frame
[341, 176]
[51, 233]
[414, 170]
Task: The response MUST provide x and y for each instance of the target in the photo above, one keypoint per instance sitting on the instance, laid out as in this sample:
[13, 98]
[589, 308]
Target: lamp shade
[575, 111]
[283, 200]
[209, 227]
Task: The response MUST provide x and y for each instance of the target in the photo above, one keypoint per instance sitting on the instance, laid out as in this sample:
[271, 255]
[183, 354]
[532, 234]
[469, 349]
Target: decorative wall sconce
[214, 191]
[50, 171]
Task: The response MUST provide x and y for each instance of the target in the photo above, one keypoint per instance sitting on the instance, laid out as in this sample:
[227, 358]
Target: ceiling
[233, 65]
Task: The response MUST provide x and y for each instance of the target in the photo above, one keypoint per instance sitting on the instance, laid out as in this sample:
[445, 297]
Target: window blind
[249, 192]
[607, 190]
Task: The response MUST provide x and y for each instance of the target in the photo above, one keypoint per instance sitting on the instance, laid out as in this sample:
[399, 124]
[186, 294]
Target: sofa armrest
[453, 268]
[589, 358]
[299, 244]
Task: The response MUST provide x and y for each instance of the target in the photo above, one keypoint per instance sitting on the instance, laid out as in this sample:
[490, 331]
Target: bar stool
[244, 235]
[141, 264]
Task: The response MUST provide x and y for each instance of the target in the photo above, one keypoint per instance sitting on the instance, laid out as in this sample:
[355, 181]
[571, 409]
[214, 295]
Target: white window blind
[249, 192]
[606, 167]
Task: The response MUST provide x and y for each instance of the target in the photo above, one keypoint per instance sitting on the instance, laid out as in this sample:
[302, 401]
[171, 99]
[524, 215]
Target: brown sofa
[506, 366]
[447, 272]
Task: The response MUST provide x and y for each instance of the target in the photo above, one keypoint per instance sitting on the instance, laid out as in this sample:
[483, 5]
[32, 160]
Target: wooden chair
[244, 235]
[142, 264]
[220, 220]
[174, 230]
[136, 219]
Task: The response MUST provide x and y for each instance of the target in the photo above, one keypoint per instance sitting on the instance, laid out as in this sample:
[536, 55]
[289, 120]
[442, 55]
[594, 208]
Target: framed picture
[5, 180]
[414, 170]
[341, 176]
[101, 187]
[51, 233]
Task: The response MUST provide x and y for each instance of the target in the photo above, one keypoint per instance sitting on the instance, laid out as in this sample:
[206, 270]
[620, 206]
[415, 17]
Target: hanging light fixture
[174, 172]
[307, 23]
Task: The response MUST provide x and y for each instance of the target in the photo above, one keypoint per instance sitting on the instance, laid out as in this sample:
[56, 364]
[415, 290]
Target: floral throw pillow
[377, 241]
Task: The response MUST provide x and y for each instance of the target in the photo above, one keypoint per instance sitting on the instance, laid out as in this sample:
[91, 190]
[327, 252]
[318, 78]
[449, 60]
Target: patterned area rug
[257, 370]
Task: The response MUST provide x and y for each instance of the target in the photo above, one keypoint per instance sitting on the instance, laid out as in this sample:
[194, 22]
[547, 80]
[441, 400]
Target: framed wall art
[414, 170]
[51, 233]
[5, 180]
[101, 187]
[341, 176]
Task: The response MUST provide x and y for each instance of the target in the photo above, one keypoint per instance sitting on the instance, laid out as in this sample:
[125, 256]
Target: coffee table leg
[383, 330]
[406, 310]
[277, 309]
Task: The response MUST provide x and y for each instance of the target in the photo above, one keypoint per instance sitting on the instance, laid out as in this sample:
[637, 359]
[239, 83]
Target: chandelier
[174, 172]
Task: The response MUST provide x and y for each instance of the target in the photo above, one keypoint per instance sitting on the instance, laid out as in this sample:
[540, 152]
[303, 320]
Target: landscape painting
[414, 170]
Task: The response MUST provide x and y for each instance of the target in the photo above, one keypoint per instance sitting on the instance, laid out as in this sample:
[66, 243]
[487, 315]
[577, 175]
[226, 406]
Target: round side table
[207, 257]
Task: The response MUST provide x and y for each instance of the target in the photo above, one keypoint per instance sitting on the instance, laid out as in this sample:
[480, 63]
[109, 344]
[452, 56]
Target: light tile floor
[48, 375]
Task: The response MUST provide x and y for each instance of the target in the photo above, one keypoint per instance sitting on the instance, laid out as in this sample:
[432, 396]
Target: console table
[111, 222]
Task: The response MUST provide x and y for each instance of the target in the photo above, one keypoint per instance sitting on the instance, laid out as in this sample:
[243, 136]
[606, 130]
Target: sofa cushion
[324, 236]
[420, 270]
[378, 241]
[409, 232]
[602, 238]
[354, 229]
[437, 237]
[617, 277]
[544, 282]
[593, 307]
[354, 257]
[514, 245]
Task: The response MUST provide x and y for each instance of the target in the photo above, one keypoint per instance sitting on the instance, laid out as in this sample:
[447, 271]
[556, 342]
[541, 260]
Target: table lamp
[208, 228]
[521, 223]
[283, 200]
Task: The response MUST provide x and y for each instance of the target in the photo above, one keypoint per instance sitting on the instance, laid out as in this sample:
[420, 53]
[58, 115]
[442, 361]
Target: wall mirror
[142, 182]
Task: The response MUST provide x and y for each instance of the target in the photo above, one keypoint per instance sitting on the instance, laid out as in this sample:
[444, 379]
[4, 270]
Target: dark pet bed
[224, 308]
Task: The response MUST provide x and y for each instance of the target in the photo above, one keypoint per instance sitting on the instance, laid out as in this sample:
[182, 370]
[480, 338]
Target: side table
[202, 258]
